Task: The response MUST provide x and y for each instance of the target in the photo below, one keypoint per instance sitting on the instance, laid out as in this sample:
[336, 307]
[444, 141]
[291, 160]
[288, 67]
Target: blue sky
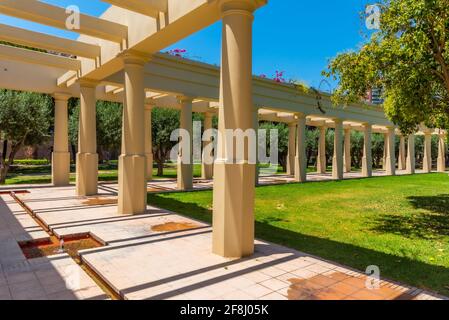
[295, 36]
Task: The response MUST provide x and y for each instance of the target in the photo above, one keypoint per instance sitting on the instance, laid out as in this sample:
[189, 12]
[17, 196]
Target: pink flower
[279, 78]
[177, 52]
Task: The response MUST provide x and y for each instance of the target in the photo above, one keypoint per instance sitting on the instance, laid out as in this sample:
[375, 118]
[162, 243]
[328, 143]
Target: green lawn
[42, 174]
[400, 224]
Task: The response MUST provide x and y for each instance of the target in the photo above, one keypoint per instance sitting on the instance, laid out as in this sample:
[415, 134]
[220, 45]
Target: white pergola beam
[53, 16]
[146, 7]
[42, 41]
[39, 58]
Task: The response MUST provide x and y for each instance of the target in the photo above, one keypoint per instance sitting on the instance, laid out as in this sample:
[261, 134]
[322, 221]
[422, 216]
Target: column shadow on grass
[397, 268]
[430, 221]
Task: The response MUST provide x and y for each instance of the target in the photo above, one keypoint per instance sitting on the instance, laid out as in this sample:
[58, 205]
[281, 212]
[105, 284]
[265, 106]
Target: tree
[282, 140]
[408, 58]
[109, 126]
[164, 122]
[24, 120]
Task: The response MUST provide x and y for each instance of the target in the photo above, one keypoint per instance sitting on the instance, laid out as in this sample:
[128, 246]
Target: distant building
[374, 96]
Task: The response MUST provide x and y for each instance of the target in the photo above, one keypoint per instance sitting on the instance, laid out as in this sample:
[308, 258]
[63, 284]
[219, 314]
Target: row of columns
[234, 187]
[233, 218]
[341, 161]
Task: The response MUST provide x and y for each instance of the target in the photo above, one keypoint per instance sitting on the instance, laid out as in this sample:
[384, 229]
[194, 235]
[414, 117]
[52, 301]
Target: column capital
[135, 57]
[88, 83]
[244, 7]
[149, 106]
[292, 124]
[300, 116]
[337, 120]
[62, 96]
[208, 114]
[184, 99]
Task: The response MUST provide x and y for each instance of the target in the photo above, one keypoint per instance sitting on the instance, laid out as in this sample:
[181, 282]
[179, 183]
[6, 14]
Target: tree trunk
[5, 149]
[160, 169]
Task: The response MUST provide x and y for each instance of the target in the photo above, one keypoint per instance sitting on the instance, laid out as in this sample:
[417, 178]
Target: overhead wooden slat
[146, 7]
[50, 15]
[39, 58]
[42, 41]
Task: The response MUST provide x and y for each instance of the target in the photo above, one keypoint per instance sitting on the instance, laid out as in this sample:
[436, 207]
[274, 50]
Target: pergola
[116, 59]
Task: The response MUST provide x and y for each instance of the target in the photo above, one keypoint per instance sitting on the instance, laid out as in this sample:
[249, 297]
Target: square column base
[367, 169]
[291, 165]
[337, 169]
[207, 171]
[233, 217]
[86, 174]
[300, 170]
[427, 165]
[149, 170]
[132, 182]
[185, 176]
[441, 167]
[60, 169]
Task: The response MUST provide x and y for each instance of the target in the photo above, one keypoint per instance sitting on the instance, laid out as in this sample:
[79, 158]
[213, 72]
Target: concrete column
[411, 157]
[60, 164]
[148, 142]
[301, 159]
[132, 195]
[87, 157]
[291, 149]
[367, 160]
[234, 190]
[256, 128]
[384, 159]
[321, 157]
[207, 167]
[402, 163]
[390, 159]
[441, 152]
[337, 161]
[347, 151]
[427, 161]
[185, 157]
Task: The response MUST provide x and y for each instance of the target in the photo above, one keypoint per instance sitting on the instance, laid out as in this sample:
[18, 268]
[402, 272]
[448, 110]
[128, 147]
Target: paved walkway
[162, 255]
[56, 277]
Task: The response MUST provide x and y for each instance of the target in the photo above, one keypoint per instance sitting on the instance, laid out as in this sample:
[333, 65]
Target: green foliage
[409, 58]
[164, 121]
[24, 120]
[109, 126]
[31, 162]
[282, 141]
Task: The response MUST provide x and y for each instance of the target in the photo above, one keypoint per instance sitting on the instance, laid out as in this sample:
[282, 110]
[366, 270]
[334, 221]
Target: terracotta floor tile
[344, 288]
[306, 284]
[323, 280]
[356, 282]
[340, 276]
[328, 294]
[298, 295]
[366, 294]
